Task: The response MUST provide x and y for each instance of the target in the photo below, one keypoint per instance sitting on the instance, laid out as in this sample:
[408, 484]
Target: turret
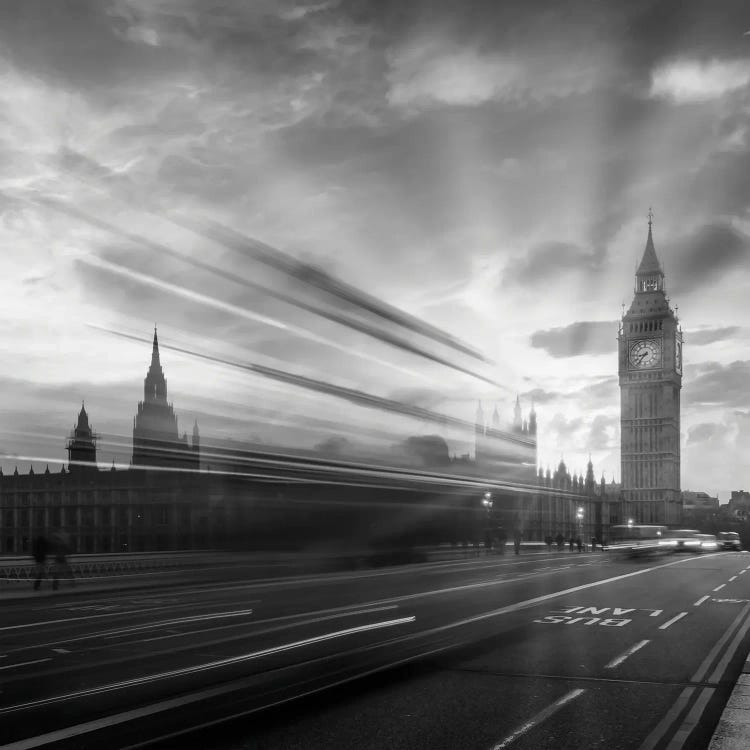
[532, 420]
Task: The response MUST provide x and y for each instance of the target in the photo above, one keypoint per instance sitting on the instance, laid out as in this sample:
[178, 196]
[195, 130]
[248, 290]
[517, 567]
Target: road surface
[549, 650]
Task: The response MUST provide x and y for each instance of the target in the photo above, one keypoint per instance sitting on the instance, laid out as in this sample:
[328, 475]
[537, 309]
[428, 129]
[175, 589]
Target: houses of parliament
[165, 501]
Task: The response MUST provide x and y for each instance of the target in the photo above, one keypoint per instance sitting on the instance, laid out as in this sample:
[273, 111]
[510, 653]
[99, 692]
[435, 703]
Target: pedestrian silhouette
[62, 568]
[39, 551]
[560, 541]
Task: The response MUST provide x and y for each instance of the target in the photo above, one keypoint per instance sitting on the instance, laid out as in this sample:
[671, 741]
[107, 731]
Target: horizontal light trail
[77, 730]
[287, 622]
[177, 621]
[195, 669]
[700, 601]
[538, 718]
[622, 657]
[672, 621]
[352, 395]
[25, 663]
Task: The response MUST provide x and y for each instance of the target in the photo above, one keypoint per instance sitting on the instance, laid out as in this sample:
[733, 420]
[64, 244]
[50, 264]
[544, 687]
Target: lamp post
[487, 503]
[579, 517]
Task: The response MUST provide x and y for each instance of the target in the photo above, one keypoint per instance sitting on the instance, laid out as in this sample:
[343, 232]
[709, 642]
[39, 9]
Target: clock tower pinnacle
[650, 373]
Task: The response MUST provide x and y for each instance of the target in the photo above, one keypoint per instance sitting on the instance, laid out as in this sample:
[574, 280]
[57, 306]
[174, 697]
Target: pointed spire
[46, 471]
[155, 349]
[649, 264]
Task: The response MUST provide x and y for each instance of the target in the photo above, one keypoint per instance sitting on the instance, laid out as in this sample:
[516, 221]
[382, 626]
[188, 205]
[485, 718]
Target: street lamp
[579, 516]
[630, 522]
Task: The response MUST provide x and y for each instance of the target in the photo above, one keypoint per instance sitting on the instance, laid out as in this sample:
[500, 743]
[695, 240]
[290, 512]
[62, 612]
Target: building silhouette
[156, 439]
[148, 506]
[81, 446]
[650, 374]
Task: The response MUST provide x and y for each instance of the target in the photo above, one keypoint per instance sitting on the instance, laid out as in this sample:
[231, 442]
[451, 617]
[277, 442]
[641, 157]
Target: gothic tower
[650, 370]
[82, 446]
[156, 440]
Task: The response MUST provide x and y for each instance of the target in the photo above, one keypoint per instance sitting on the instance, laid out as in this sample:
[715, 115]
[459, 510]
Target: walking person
[560, 541]
[39, 551]
[62, 567]
[579, 543]
[517, 540]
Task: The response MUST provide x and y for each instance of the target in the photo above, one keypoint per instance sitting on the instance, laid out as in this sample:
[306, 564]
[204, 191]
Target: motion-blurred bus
[636, 540]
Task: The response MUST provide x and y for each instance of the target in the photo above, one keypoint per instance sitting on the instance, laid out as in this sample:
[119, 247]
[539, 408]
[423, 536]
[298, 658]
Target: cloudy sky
[483, 167]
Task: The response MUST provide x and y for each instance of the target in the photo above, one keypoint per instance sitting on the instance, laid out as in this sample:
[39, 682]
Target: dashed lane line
[733, 578]
[672, 621]
[621, 658]
[700, 601]
[539, 718]
[719, 588]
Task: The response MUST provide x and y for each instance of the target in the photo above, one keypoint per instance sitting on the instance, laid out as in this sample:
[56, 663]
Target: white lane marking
[209, 665]
[538, 719]
[25, 663]
[691, 720]
[178, 621]
[661, 728]
[742, 572]
[729, 652]
[61, 650]
[703, 668]
[700, 601]
[733, 578]
[672, 621]
[719, 588]
[621, 658]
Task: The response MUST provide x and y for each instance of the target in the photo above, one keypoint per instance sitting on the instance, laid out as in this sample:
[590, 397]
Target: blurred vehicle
[708, 543]
[634, 540]
[730, 540]
[682, 540]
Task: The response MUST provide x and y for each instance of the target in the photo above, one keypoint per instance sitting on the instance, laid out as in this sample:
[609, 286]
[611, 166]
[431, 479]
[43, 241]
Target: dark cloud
[548, 261]
[582, 337]
[711, 335]
[708, 254]
[719, 385]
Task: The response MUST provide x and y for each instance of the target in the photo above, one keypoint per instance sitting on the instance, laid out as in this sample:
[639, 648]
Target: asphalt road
[553, 650]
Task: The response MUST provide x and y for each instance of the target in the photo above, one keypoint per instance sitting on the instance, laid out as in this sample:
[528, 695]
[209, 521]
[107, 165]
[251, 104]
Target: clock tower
[650, 370]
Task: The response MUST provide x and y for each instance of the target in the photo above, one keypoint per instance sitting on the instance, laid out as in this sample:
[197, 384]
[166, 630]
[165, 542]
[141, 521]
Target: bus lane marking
[672, 621]
[621, 658]
[613, 616]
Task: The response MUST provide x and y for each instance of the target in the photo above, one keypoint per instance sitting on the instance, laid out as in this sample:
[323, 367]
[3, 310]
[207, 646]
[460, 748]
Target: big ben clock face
[645, 354]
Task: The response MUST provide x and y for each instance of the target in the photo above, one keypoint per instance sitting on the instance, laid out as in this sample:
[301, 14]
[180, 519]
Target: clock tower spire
[650, 373]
